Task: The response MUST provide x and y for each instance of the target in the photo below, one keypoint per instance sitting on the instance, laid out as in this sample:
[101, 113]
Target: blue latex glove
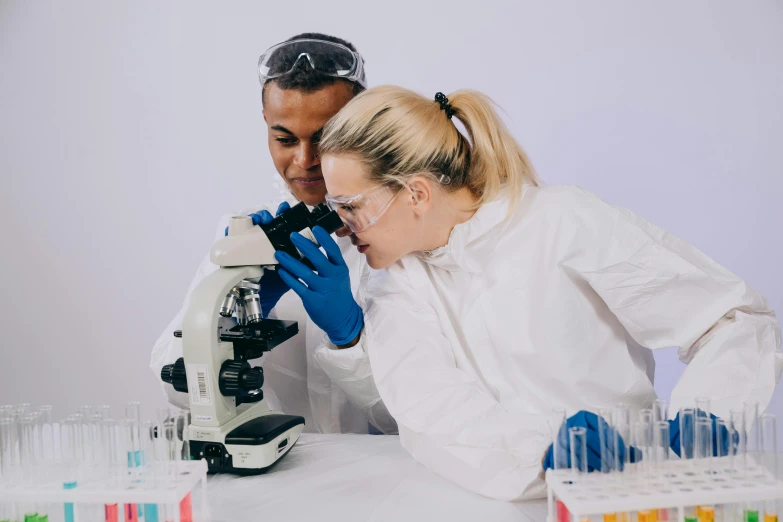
[271, 286]
[719, 440]
[589, 421]
[326, 293]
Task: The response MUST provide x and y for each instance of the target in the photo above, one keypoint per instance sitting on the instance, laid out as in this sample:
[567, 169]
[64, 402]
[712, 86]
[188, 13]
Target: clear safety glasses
[363, 210]
[324, 57]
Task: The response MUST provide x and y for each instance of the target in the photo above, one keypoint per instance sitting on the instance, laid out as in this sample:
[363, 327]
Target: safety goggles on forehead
[363, 210]
[325, 57]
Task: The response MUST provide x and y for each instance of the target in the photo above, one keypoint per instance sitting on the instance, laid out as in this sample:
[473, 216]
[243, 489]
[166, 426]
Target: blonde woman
[495, 300]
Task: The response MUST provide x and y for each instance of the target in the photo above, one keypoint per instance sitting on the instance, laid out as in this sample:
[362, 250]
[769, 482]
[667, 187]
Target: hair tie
[444, 104]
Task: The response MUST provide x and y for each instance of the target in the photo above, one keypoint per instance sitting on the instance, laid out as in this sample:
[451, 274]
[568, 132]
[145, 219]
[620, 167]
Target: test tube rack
[673, 484]
[95, 491]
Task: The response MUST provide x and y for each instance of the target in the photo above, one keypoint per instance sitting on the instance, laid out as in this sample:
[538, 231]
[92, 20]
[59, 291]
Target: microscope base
[249, 448]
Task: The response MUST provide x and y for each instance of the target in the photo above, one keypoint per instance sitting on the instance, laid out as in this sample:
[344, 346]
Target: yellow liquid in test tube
[648, 516]
[610, 517]
[770, 518]
[706, 513]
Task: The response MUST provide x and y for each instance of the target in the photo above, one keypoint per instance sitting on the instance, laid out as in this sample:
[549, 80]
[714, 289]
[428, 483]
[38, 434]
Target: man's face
[295, 120]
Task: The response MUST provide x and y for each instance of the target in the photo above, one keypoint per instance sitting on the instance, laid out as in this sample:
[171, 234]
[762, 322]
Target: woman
[495, 300]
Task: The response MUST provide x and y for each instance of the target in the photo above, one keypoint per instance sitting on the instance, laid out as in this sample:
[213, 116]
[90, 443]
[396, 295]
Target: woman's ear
[420, 189]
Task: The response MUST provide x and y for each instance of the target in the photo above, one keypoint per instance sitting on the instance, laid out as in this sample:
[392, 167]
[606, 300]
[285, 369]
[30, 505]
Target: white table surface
[352, 478]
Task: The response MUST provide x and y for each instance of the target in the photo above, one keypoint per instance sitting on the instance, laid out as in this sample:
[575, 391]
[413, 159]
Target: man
[305, 81]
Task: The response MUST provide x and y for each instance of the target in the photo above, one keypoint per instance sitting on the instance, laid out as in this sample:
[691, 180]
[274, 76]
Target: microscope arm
[203, 351]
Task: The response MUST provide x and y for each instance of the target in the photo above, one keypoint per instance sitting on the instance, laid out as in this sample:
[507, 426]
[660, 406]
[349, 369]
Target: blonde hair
[398, 134]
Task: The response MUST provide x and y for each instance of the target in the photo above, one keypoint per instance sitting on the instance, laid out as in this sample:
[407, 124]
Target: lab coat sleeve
[349, 368]
[167, 348]
[447, 421]
[667, 293]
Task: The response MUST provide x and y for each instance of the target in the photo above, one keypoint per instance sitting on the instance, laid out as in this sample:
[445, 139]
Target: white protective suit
[293, 384]
[473, 344]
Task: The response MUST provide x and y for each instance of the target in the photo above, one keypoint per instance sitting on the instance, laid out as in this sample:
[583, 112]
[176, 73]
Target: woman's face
[392, 236]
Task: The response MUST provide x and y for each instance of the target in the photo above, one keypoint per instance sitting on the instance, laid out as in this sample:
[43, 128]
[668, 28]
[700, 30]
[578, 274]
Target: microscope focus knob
[175, 375]
[253, 379]
[237, 377]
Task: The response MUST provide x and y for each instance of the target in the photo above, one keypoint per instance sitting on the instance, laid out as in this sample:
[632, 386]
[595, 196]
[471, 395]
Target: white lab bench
[353, 478]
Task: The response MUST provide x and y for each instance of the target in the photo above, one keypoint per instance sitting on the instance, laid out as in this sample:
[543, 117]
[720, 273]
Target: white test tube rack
[674, 484]
[189, 475]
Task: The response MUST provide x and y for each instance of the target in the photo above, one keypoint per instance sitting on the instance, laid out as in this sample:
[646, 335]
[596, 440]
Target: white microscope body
[246, 438]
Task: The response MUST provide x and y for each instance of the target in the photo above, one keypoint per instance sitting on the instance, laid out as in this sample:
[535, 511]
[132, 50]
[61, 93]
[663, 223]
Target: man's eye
[286, 141]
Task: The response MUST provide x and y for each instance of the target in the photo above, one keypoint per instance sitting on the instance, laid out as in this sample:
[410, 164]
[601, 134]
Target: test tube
[646, 421]
[559, 435]
[559, 439]
[621, 422]
[8, 454]
[661, 443]
[94, 424]
[702, 406]
[578, 439]
[737, 441]
[104, 410]
[183, 440]
[150, 457]
[37, 437]
[640, 437]
[135, 455]
[752, 432]
[128, 443]
[746, 422]
[687, 433]
[604, 436]
[47, 431]
[170, 460]
[111, 461]
[703, 441]
[660, 409]
[27, 447]
[622, 435]
[638, 441]
[606, 444]
[70, 453]
[8, 435]
[703, 456]
[768, 436]
[723, 450]
[132, 412]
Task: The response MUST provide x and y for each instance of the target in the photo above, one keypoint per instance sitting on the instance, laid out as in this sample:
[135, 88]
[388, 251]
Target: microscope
[231, 426]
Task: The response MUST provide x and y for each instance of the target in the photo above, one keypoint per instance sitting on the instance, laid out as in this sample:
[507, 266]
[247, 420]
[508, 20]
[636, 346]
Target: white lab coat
[293, 384]
[558, 306]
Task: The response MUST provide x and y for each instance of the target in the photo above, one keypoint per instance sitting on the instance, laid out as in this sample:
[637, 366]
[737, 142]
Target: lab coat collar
[470, 242]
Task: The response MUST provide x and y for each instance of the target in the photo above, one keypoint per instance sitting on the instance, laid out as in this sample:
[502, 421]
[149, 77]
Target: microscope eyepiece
[299, 219]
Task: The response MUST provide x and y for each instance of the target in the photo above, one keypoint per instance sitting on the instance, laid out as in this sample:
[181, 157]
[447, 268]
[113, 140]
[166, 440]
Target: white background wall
[128, 128]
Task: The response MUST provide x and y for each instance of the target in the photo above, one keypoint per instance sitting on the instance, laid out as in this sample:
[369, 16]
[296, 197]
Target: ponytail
[398, 134]
[495, 156]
